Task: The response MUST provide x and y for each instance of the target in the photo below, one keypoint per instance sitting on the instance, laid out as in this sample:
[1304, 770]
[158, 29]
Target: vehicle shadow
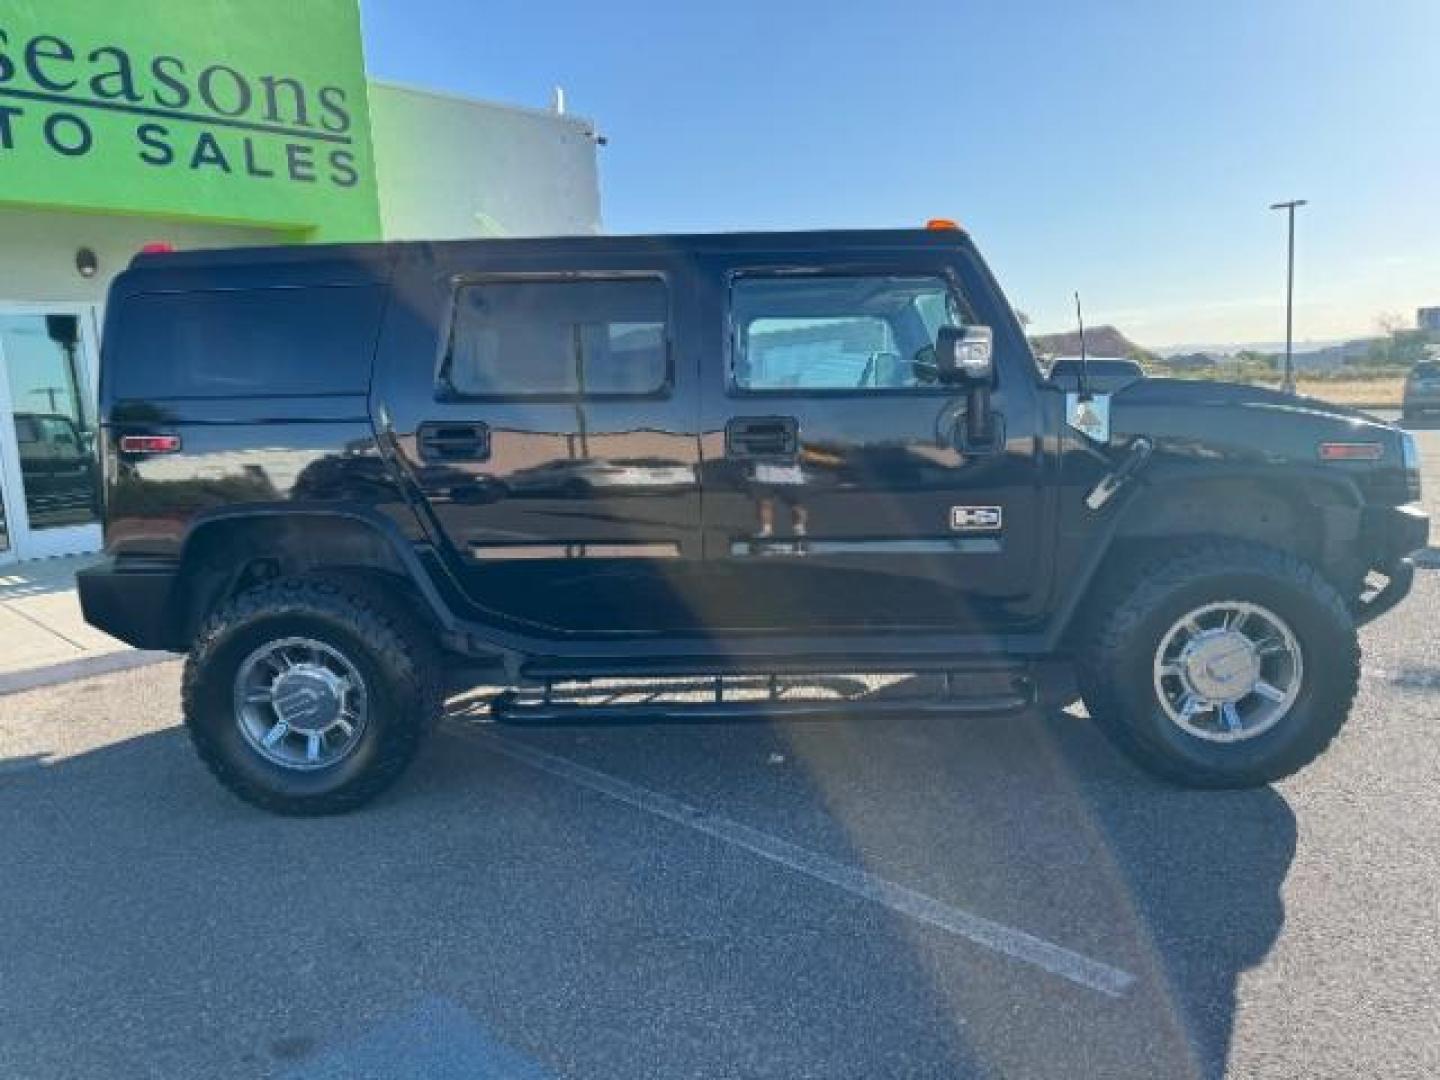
[129, 857]
[1204, 869]
[1186, 885]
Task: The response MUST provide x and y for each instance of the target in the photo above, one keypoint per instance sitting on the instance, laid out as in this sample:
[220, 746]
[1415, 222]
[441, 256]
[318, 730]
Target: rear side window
[1427, 369]
[559, 339]
[245, 343]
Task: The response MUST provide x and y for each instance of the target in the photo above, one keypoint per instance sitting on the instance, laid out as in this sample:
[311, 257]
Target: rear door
[554, 438]
[840, 489]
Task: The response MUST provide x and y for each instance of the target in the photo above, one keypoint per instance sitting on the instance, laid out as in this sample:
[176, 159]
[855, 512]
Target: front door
[842, 489]
[49, 473]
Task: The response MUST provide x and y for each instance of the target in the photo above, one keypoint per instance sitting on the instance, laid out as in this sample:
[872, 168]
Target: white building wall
[38, 247]
[452, 168]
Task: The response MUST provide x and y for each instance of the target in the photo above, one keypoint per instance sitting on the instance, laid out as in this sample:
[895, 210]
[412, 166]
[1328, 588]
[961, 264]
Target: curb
[86, 667]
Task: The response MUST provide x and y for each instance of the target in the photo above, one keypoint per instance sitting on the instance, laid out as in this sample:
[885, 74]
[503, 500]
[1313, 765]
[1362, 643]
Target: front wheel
[1225, 664]
[307, 696]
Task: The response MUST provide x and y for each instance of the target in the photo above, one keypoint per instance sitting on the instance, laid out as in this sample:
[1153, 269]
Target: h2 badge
[976, 518]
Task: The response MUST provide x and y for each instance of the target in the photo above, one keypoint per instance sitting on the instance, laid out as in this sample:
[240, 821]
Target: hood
[1196, 393]
[1251, 429]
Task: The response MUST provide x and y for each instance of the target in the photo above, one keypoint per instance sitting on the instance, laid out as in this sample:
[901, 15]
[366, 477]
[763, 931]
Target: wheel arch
[1315, 518]
[228, 551]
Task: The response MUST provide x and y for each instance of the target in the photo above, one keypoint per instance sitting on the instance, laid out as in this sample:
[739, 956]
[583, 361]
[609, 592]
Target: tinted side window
[559, 339]
[840, 332]
[245, 342]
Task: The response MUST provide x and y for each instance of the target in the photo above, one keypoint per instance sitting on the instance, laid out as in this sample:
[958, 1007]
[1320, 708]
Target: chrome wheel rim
[300, 703]
[1228, 671]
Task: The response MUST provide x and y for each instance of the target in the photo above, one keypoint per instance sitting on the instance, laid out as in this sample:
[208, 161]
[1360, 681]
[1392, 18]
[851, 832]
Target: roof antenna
[1084, 386]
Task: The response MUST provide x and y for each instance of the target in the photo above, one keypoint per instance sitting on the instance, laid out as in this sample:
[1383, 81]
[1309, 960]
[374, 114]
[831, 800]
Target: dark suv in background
[1422, 390]
[343, 478]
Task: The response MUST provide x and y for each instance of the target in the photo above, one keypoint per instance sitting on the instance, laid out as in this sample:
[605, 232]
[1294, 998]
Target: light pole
[1287, 384]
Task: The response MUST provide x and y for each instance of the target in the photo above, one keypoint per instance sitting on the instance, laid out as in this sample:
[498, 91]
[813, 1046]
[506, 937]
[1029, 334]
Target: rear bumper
[1397, 533]
[130, 599]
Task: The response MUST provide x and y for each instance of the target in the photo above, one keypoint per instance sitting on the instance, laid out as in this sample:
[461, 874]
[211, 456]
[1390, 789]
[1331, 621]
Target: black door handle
[762, 436]
[440, 441]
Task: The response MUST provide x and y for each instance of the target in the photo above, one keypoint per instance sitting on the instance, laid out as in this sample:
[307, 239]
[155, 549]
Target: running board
[705, 701]
[558, 669]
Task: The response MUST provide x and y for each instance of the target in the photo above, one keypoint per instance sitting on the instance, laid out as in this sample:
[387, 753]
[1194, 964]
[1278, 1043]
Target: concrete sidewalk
[43, 637]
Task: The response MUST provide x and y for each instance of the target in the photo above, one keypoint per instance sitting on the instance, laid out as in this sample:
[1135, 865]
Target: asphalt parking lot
[887, 897]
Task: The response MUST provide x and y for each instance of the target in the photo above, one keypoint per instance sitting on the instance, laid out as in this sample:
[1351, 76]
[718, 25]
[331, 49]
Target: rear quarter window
[280, 342]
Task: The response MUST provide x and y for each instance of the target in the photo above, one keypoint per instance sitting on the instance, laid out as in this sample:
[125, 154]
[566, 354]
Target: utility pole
[1287, 384]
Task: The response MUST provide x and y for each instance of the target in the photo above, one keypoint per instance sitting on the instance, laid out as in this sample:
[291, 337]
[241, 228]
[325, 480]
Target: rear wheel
[308, 696]
[1224, 665]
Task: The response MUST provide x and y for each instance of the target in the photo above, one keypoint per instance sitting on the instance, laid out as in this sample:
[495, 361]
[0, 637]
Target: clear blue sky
[1127, 149]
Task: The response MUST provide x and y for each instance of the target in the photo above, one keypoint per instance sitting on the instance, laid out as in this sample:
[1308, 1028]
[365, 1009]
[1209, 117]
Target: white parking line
[1016, 944]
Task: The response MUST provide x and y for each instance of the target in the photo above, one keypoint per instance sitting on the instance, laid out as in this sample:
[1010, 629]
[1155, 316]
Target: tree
[1250, 358]
[1389, 323]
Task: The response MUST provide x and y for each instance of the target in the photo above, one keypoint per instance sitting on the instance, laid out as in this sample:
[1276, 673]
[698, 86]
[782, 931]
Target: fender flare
[1134, 501]
[387, 530]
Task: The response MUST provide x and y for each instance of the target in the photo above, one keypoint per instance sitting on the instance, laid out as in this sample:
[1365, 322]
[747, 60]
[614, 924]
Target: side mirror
[965, 355]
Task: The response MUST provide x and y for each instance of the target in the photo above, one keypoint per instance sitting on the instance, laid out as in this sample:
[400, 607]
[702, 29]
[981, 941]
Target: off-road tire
[389, 646]
[1134, 610]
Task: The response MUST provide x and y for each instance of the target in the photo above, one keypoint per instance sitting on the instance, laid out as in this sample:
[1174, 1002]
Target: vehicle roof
[591, 244]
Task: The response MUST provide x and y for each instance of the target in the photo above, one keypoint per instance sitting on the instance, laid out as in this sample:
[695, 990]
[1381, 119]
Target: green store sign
[249, 112]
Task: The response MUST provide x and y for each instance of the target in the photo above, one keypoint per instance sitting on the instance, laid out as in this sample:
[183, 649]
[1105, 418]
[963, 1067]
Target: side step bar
[736, 663]
[547, 706]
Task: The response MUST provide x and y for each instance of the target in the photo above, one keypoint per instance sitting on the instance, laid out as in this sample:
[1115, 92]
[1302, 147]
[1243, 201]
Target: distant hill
[1229, 348]
[1309, 355]
[1099, 341]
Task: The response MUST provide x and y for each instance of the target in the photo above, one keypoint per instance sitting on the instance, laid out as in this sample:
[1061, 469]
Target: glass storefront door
[7, 550]
[49, 471]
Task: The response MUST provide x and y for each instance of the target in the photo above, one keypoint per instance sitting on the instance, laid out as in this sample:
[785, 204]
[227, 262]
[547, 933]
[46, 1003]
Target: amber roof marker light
[943, 224]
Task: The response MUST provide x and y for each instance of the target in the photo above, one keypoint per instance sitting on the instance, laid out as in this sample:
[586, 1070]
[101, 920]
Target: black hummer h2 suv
[339, 477]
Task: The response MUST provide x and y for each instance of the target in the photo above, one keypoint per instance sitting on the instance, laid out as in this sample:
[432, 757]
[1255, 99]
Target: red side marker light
[149, 444]
[1351, 451]
[157, 247]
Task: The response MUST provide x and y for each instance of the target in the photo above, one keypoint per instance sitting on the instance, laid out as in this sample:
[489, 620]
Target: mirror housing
[965, 355]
